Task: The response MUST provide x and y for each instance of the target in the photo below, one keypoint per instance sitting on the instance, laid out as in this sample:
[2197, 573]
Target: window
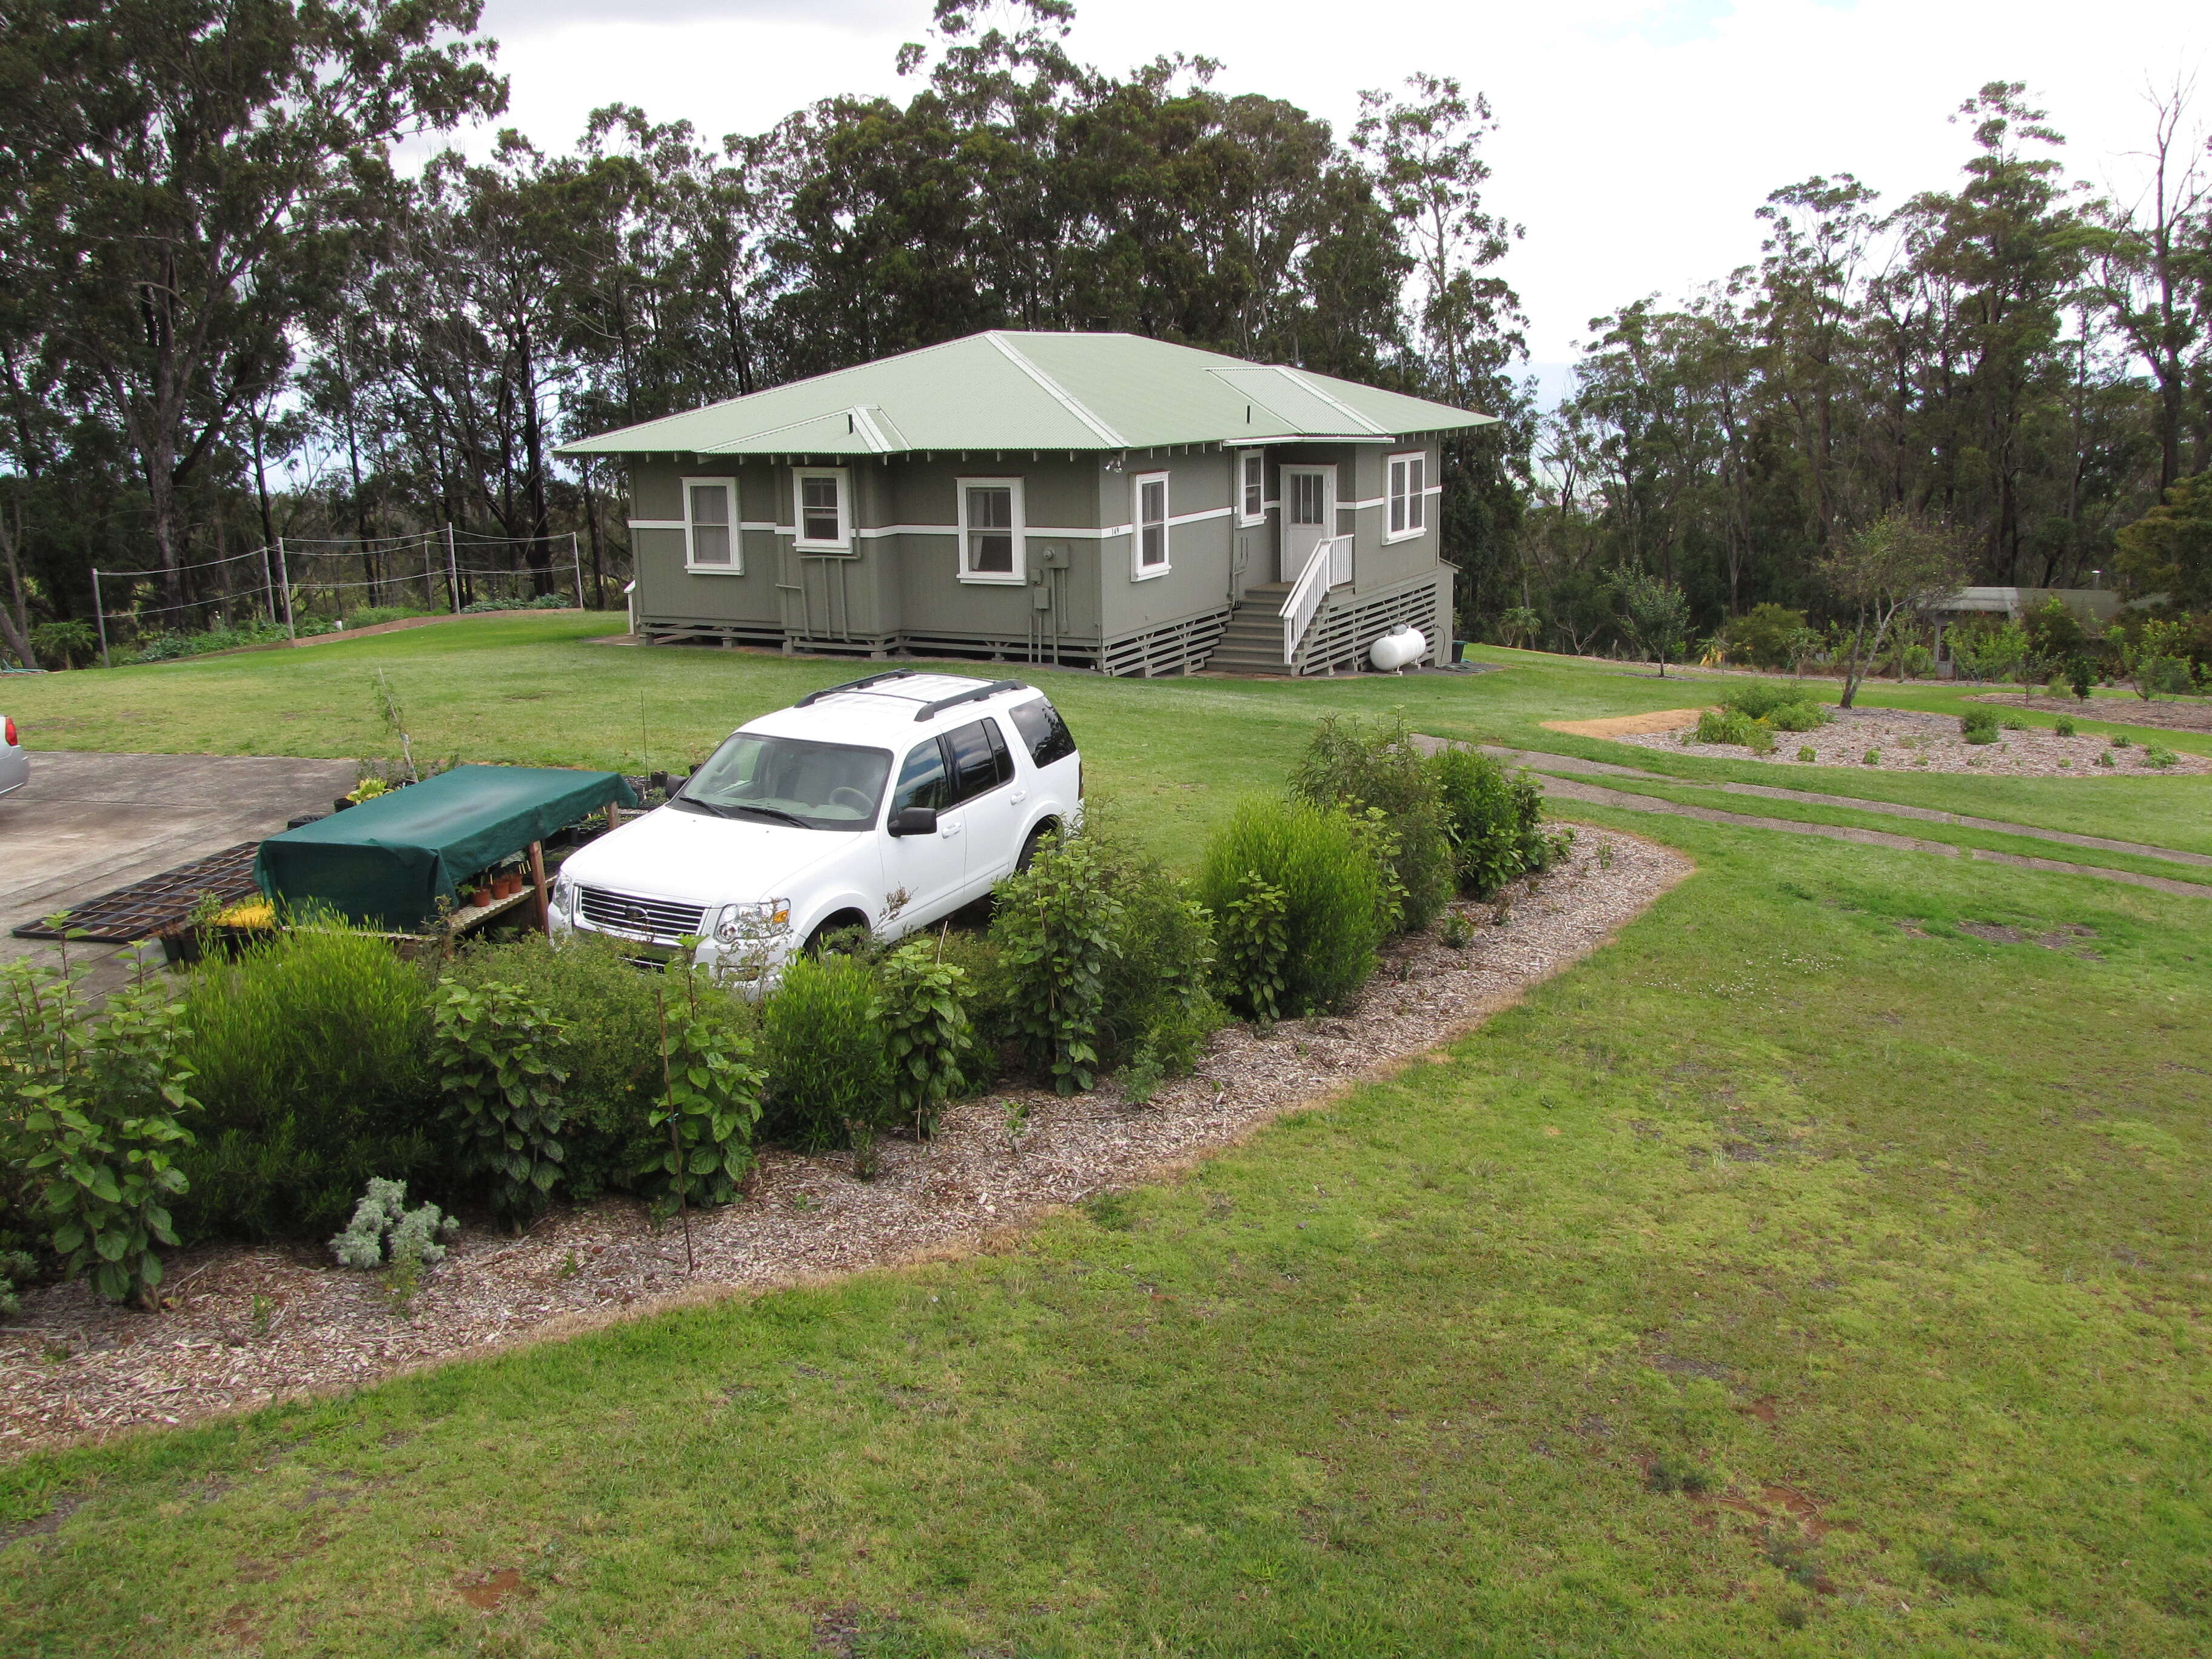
[825, 514]
[980, 761]
[923, 781]
[817, 786]
[1309, 497]
[1409, 501]
[710, 525]
[1044, 732]
[991, 530]
[1150, 558]
[1252, 486]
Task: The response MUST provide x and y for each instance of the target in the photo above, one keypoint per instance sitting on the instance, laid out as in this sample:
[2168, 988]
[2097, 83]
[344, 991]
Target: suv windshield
[817, 786]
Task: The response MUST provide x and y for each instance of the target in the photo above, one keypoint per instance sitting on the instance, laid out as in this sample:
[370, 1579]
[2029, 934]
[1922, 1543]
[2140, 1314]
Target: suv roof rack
[813, 697]
[929, 710]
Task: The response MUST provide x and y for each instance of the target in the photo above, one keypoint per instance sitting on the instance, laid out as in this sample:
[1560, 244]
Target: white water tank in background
[1400, 647]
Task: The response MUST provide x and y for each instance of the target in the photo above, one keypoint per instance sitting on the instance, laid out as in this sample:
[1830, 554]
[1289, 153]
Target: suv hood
[694, 856]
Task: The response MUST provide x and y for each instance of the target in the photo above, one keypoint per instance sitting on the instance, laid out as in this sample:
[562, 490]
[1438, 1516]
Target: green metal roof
[1034, 390]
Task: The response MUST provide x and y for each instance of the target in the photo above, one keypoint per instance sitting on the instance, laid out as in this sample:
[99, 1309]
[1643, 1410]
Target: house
[2094, 608]
[1098, 500]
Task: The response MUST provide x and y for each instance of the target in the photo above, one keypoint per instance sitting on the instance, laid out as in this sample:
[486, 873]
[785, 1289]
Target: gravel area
[1907, 741]
[249, 1325]
[2175, 714]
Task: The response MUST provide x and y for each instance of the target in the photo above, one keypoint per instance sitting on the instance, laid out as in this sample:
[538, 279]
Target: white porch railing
[1328, 566]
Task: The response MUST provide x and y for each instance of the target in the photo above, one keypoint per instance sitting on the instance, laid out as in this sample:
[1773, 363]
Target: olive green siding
[898, 584]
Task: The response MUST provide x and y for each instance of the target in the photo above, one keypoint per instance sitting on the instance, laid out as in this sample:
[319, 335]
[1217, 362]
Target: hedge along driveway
[1890, 1236]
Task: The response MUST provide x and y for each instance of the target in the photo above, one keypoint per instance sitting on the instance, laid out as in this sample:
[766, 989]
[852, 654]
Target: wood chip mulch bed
[2174, 713]
[1909, 741]
[247, 1326]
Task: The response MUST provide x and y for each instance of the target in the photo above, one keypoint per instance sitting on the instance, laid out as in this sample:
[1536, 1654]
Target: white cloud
[1635, 138]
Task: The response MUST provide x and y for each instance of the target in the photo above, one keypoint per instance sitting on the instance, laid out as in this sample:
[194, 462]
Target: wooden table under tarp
[398, 861]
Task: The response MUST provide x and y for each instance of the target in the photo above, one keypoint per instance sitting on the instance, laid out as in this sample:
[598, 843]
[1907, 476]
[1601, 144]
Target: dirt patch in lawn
[1906, 740]
[1626, 725]
[253, 1324]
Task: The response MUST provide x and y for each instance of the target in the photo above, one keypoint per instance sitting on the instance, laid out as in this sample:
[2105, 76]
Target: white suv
[885, 804]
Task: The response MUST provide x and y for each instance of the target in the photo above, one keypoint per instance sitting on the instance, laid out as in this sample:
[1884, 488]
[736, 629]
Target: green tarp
[389, 860]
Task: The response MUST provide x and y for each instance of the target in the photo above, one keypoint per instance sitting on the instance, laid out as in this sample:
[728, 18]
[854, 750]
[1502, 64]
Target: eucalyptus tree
[181, 192]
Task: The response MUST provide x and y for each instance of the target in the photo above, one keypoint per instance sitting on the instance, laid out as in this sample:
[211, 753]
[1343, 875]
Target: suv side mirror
[914, 821]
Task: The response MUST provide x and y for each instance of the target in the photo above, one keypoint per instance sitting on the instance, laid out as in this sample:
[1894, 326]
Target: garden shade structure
[390, 859]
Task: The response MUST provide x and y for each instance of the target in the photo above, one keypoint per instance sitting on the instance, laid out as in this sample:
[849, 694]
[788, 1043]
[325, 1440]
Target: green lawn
[1891, 1238]
[532, 690]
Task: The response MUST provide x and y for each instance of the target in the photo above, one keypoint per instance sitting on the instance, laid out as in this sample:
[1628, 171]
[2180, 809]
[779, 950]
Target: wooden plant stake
[674, 1140]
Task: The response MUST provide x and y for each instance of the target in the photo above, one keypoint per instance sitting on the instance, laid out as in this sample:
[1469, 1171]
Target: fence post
[99, 616]
[576, 562]
[285, 574]
[268, 581]
[453, 568]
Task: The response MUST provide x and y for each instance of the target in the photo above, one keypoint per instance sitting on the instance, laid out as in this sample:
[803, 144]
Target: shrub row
[263, 1098]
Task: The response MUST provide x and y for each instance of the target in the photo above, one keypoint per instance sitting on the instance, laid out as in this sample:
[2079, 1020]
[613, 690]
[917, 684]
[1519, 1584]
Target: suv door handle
[948, 827]
[1019, 796]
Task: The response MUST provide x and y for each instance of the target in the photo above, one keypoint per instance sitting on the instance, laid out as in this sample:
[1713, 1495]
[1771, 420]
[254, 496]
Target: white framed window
[822, 497]
[710, 527]
[1251, 487]
[1148, 548]
[991, 530]
[1408, 497]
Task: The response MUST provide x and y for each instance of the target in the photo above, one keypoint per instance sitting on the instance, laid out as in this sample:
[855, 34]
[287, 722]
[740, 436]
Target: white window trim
[1020, 574]
[1415, 498]
[1138, 570]
[843, 477]
[737, 564]
[1244, 458]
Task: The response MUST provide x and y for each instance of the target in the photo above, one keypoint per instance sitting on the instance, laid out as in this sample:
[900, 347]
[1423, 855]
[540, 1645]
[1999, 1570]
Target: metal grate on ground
[159, 903]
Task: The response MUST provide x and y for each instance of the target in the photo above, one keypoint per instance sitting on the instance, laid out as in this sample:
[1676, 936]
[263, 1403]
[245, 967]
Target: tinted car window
[1044, 732]
[999, 753]
[923, 781]
[974, 763]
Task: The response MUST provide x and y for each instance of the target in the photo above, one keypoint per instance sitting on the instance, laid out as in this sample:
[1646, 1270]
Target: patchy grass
[1803, 1273]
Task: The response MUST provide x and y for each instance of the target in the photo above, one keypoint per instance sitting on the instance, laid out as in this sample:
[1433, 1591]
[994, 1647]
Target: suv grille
[626, 912]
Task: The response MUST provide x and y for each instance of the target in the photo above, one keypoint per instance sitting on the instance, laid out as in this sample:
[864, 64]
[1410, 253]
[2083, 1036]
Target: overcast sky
[1634, 139]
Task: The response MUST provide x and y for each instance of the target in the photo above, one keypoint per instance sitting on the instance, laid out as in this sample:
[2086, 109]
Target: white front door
[1309, 516]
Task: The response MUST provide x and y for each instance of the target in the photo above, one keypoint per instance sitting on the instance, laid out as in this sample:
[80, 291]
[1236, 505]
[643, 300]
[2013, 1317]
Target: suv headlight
[766, 919]
[564, 895]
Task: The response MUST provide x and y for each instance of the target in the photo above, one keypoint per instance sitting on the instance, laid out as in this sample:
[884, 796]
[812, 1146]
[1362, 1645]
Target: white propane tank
[1399, 648]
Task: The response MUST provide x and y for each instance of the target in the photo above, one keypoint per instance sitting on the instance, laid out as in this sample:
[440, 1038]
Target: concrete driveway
[88, 823]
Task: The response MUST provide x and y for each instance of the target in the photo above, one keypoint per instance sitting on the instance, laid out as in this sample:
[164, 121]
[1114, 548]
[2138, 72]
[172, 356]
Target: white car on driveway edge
[14, 759]
[887, 803]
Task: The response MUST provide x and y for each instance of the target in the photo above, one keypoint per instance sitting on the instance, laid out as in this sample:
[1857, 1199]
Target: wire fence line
[421, 571]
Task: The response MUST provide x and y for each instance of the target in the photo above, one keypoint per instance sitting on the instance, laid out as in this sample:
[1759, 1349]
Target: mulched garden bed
[247, 1326]
[2173, 714]
[1909, 741]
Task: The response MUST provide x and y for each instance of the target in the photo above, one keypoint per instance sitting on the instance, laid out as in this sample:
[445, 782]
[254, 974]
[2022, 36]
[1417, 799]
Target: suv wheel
[1029, 846]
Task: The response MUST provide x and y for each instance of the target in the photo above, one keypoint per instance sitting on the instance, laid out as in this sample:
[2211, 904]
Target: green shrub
[2012, 723]
[2063, 726]
[385, 1232]
[1375, 768]
[1054, 924]
[307, 1060]
[1806, 753]
[701, 1126]
[614, 1076]
[1798, 717]
[2104, 758]
[496, 1052]
[1733, 726]
[1255, 946]
[1492, 818]
[829, 1075]
[1916, 662]
[925, 1029]
[1978, 724]
[89, 1116]
[1872, 757]
[2158, 757]
[1159, 960]
[2121, 740]
[1757, 699]
[1763, 636]
[1314, 857]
